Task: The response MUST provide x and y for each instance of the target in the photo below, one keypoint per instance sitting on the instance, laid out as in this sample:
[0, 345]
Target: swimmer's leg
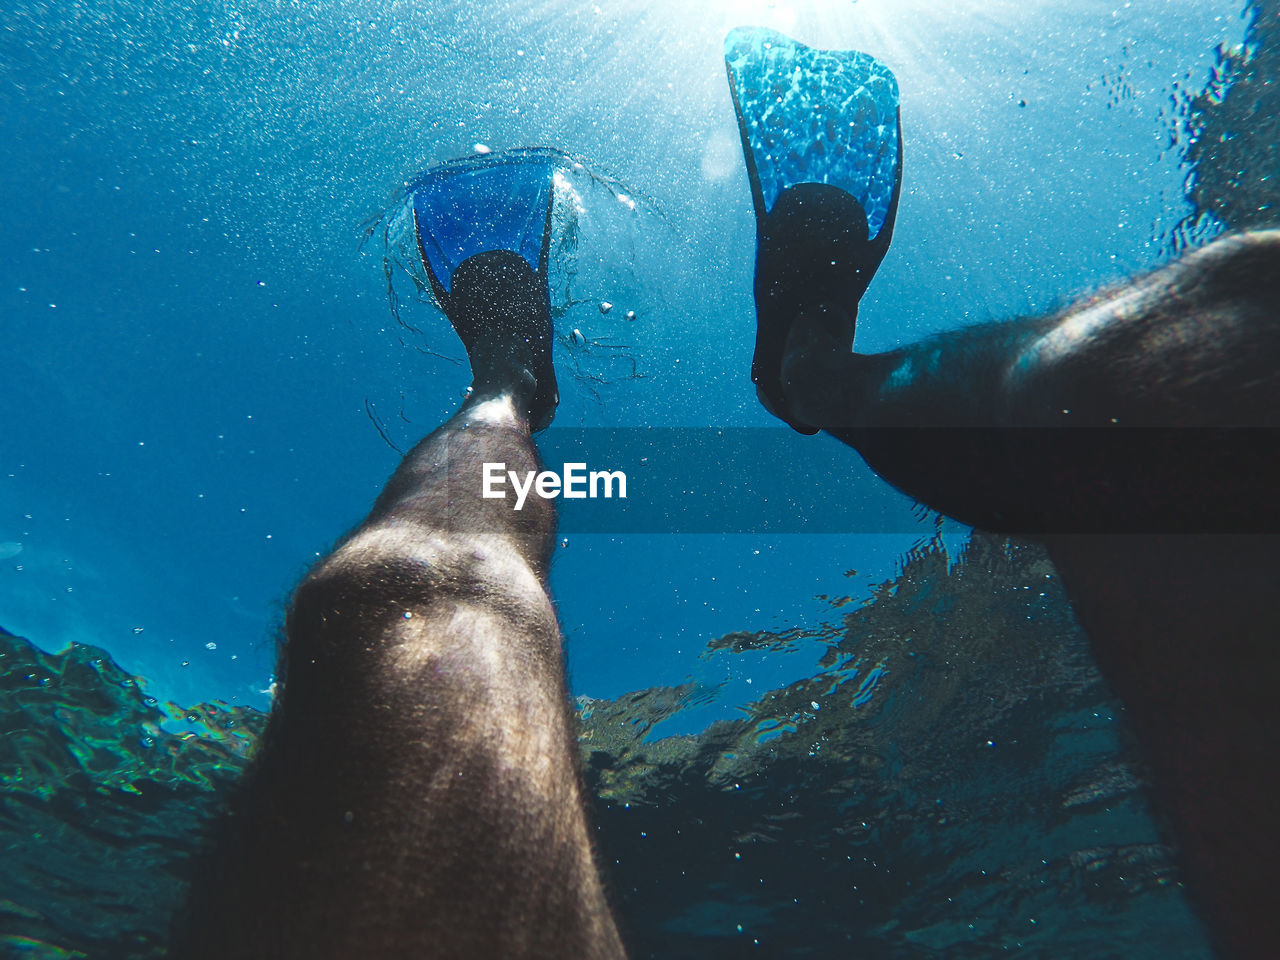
[417, 793]
[1183, 628]
[1194, 344]
[1119, 412]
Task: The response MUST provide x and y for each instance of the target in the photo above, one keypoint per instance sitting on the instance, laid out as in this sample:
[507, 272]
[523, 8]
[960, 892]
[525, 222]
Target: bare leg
[1195, 344]
[417, 793]
[1189, 344]
[1184, 630]
[1119, 414]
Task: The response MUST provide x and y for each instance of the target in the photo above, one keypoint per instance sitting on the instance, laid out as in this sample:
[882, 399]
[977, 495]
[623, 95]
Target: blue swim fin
[484, 232]
[822, 141]
[815, 116]
[499, 201]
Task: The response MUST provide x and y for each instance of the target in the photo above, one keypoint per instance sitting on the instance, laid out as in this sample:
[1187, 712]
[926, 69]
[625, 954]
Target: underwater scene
[815, 718]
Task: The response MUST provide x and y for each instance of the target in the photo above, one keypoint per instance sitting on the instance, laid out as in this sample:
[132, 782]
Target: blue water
[190, 332]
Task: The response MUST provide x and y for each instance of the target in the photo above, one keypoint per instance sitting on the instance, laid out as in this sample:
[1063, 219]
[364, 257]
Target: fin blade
[815, 116]
[470, 206]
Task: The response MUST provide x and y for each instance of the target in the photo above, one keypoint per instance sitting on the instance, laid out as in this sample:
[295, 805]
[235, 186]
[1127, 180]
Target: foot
[501, 312]
[814, 259]
[815, 371]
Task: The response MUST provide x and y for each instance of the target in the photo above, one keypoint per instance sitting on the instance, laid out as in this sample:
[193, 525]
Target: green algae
[100, 805]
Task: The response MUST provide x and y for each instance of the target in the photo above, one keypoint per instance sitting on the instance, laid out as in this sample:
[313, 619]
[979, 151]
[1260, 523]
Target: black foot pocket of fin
[501, 311]
[812, 257]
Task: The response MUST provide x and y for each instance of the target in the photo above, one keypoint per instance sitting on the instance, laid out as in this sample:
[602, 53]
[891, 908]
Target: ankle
[816, 364]
[495, 408]
[512, 386]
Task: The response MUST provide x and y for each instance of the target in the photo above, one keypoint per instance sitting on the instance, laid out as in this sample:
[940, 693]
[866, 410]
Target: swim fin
[822, 140]
[484, 231]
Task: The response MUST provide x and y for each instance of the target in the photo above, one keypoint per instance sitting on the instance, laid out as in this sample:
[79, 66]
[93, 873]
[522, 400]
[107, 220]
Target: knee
[387, 615]
[1263, 244]
[1240, 267]
[378, 566]
[385, 575]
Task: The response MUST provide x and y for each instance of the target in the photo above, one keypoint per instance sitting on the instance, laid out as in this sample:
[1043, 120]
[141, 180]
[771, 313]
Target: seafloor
[952, 779]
